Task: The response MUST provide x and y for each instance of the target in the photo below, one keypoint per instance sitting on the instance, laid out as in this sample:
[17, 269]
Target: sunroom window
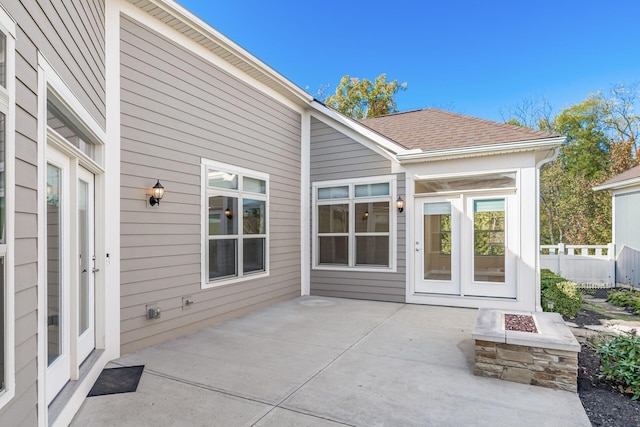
[236, 218]
[353, 224]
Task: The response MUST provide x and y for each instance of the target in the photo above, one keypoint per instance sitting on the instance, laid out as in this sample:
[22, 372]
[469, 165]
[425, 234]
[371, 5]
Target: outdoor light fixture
[228, 213]
[400, 204]
[157, 192]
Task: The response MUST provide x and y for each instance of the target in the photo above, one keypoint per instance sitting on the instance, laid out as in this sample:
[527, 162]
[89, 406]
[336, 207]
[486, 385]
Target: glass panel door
[86, 264]
[437, 246]
[57, 274]
[491, 221]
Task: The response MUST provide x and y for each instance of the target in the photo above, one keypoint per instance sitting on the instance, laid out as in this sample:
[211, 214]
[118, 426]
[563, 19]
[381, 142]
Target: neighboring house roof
[432, 129]
[625, 179]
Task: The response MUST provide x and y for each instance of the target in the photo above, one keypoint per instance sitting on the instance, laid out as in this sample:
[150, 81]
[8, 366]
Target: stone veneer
[547, 359]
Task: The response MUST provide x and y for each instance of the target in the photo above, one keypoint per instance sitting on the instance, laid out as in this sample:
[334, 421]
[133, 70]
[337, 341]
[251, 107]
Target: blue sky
[474, 57]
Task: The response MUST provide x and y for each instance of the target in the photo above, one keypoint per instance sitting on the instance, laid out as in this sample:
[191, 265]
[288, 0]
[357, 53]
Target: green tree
[365, 99]
[601, 142]
[586, 151]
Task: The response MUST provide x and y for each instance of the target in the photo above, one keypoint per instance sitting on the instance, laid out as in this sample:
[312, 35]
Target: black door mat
[117, 380]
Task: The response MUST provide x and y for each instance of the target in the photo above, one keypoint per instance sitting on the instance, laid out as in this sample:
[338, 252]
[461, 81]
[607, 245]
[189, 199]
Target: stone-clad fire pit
[525, 347]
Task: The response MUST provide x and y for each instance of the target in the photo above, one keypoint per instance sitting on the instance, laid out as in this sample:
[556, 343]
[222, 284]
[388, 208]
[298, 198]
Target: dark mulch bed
[604, 403]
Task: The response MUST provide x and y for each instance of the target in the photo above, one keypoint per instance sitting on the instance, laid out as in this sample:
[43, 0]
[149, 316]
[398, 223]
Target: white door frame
[447, 287]
[462, 283]
[59, 372]
[86, 270]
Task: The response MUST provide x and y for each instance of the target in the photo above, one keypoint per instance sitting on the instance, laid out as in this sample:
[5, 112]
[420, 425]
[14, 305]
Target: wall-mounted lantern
[400, 204]
[157, 192]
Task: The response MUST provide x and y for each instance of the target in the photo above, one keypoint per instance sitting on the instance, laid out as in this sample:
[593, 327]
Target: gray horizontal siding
[177, 108]
[70, 34]
[336, 156]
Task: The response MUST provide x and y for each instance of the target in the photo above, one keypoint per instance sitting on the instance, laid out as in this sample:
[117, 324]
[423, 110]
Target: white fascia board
[412, 156]
[197, 24]
[356, 131]
[618, 185]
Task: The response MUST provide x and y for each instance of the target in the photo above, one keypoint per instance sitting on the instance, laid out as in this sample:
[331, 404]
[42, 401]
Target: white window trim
[204, 239]
[351, 200]
[7, 106]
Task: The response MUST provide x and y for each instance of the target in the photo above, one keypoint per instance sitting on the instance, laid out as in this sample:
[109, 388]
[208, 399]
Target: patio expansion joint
[327, 365]
[200, 385]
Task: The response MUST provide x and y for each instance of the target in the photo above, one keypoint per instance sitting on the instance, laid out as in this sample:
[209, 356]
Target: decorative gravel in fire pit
[520, 322]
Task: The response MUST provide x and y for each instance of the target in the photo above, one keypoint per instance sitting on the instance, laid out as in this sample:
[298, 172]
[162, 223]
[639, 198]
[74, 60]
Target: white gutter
[188, 18]
[618, 185]
[411, 156]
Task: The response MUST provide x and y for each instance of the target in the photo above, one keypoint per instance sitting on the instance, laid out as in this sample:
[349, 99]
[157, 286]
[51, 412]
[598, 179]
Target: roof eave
[385, 143]
[184, 17]
[618, 185]
[414, 156]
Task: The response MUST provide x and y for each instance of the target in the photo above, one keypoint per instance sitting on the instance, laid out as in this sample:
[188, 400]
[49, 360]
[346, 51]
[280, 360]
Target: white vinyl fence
[583, 264]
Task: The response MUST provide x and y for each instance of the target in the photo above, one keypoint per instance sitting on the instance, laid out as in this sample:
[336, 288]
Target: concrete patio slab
[252, 367]
[318, 361]
[317, 321]
[161, 402]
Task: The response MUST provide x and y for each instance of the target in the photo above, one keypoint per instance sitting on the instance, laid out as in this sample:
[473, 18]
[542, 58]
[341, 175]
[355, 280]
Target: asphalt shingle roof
[630, 174]
[432, 129]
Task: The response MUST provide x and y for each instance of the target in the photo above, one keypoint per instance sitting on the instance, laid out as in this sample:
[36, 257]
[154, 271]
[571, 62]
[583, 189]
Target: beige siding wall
[176, 109]
[336, 156]
[70, 35]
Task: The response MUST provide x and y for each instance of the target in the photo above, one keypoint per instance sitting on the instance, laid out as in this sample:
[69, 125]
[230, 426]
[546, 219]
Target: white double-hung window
[7, 132]
[235, 224]
[354, 224]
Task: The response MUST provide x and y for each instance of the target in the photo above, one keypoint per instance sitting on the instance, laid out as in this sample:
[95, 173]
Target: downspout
[539, 165]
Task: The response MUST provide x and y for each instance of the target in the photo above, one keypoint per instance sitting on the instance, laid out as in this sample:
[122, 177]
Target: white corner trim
[305, 205]
[410, 156]
[41, 249]
[158, 26]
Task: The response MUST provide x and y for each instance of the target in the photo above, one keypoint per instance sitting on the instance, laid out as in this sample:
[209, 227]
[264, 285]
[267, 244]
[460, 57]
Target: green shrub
[548, 278]
[620, 361]
[566, 298]
[626, 299]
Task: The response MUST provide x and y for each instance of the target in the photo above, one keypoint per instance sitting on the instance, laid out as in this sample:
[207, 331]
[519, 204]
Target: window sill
[233, 280]
[355, 269]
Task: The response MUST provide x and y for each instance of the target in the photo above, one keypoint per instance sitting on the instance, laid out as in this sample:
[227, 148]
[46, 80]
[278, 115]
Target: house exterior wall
[334, 155]
[176, 109]
[626, 234]
[70, 35]
[626, 205]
